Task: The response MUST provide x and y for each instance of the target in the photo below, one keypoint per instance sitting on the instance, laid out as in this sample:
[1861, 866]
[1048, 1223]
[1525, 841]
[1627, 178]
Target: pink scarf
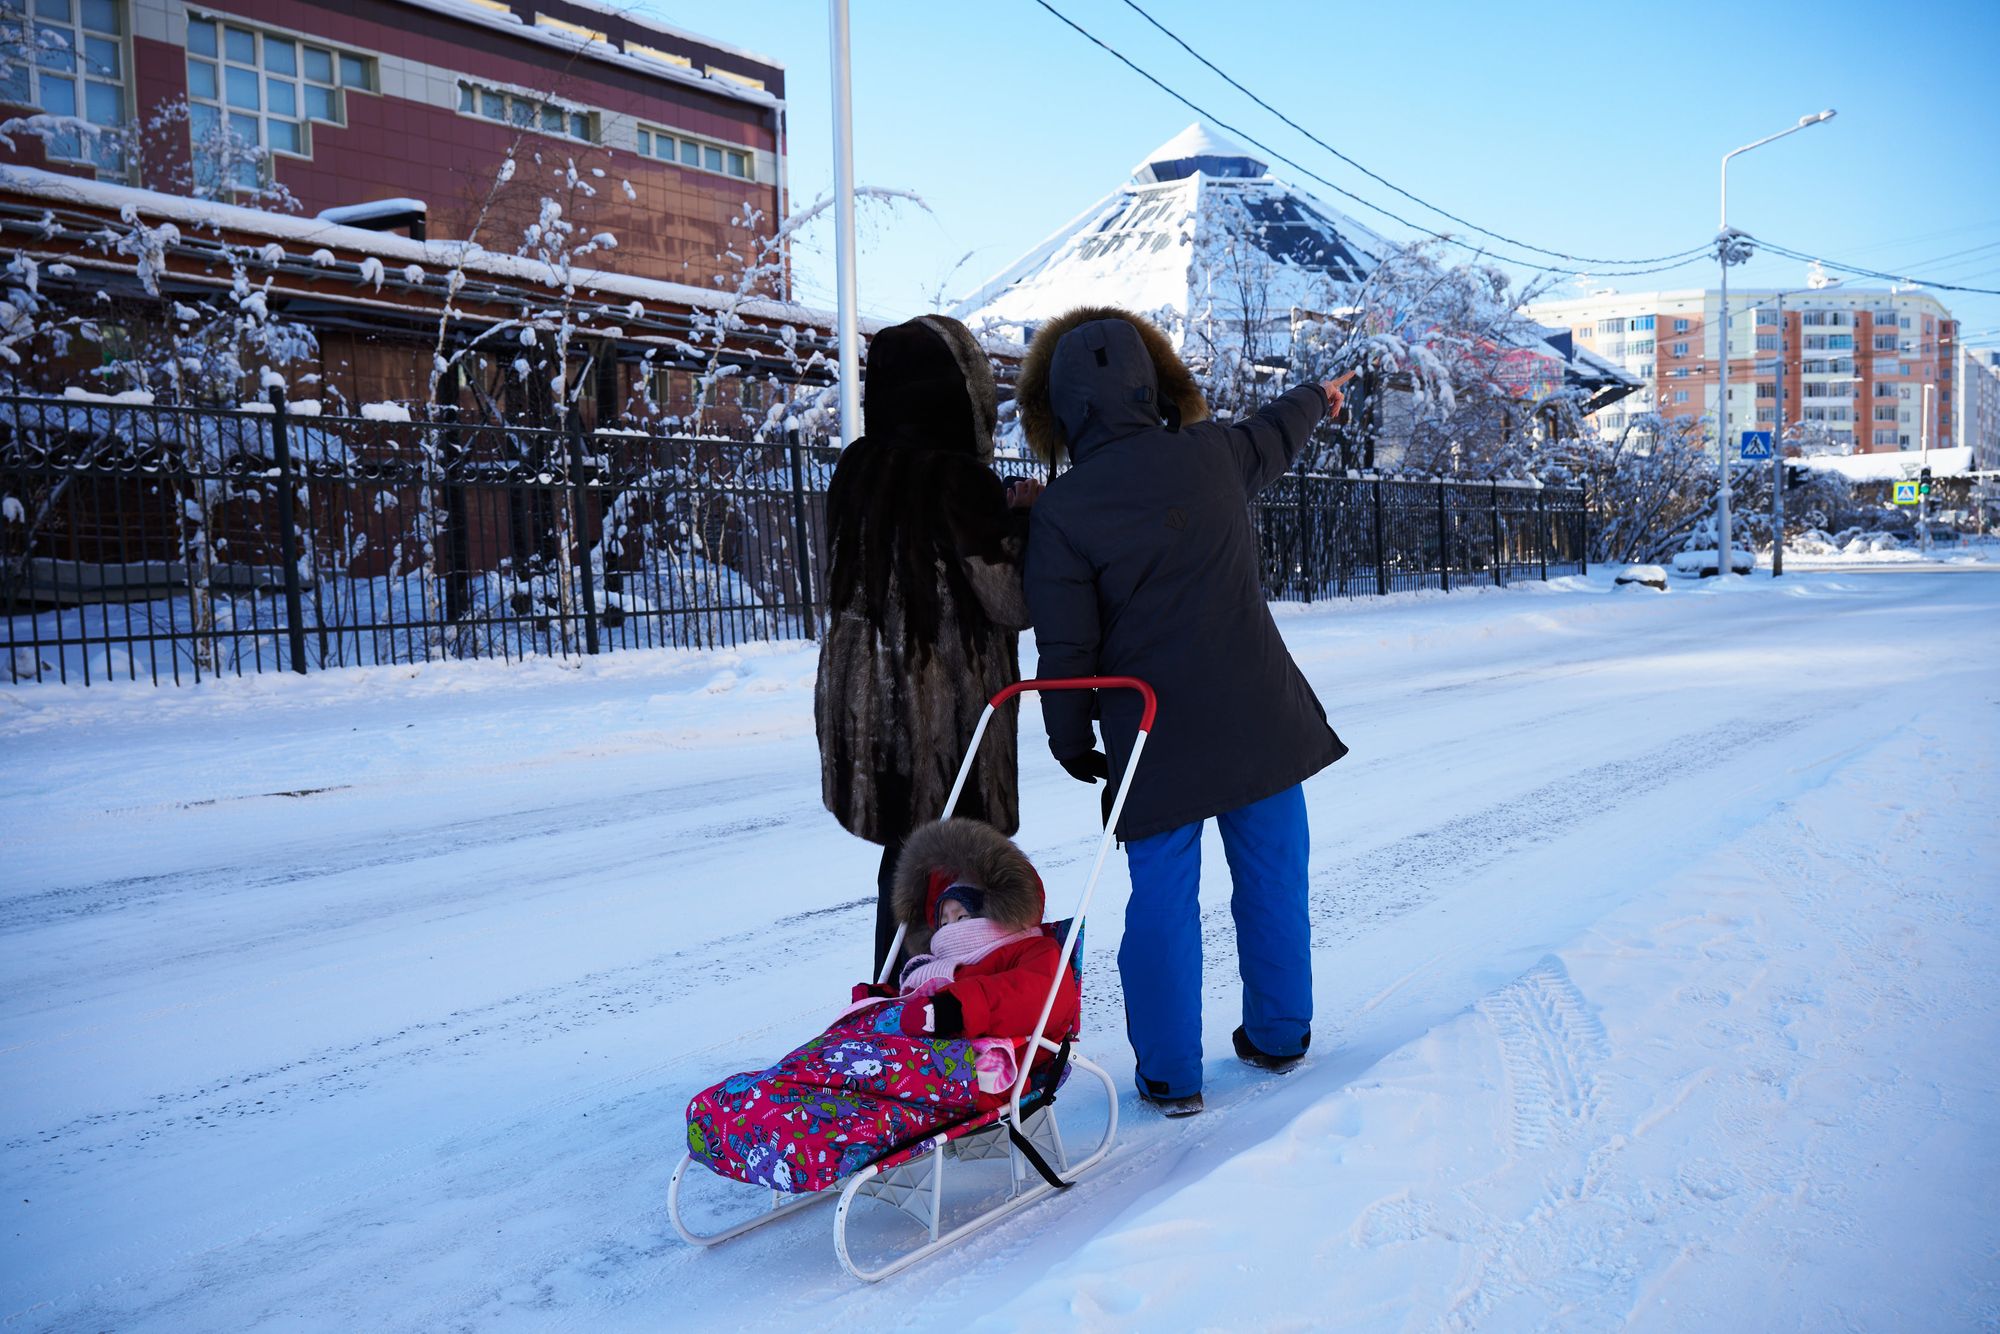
[967, 940]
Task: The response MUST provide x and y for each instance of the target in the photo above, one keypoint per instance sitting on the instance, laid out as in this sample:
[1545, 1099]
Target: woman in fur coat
[925, 599]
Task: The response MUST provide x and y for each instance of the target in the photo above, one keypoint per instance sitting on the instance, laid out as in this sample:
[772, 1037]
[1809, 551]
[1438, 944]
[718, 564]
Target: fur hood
[943, 851]
[1034, 401]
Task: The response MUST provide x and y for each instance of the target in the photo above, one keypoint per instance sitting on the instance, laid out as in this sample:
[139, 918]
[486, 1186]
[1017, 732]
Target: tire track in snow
[283, 866]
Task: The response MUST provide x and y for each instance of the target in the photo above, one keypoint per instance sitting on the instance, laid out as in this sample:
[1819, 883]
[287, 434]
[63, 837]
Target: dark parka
[925, 593]
[1142, 562]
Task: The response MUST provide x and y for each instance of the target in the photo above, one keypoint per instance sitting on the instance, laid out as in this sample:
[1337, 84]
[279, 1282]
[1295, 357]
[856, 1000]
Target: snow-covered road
[1656, 976]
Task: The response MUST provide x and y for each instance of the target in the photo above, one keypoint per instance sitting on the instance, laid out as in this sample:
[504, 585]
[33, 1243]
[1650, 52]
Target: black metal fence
[171, 544]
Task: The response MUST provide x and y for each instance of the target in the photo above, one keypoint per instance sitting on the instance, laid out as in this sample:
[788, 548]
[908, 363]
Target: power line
[1373, 176]
[1859, 272]
[1695, 256]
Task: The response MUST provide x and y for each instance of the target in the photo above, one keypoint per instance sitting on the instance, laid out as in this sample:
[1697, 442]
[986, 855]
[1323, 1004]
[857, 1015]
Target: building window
[1639, 347]
[248, 88]
[1644, 370]
[700, 154]
[1680, 349]
[1903, 392]
[1885, 412]
[1813, 319]
[1903, 440]
[1642, 324]
[1680, 395]
[1611, 326]
[1885, 437]
[1885, 342]
[1680, 326]
[1767, 390]
[535, 114]
[1885, 391]
[1767, 342]
[77, 70]
[1840, 342]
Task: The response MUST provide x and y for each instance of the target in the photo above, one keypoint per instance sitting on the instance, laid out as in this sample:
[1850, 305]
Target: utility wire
[1694, 256]
[1858, 272]
[1382, 180]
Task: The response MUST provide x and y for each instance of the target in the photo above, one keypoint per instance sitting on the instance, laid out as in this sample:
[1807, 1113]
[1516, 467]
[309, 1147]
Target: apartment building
[1979, 411]
[1856, 361]
[415, 100]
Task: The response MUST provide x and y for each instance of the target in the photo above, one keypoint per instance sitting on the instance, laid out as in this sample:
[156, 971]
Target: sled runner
[909, 1171]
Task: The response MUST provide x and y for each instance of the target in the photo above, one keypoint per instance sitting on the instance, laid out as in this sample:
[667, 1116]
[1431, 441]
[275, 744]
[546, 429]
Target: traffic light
[1795, 476]
[1924, 482]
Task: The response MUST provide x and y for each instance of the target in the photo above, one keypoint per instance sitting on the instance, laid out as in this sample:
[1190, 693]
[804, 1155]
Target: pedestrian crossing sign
[1906, 493]
[1756, 445]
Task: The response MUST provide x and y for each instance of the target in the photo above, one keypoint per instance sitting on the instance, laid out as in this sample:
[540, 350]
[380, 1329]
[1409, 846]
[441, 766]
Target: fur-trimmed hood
[971, 851]
[1063, 400]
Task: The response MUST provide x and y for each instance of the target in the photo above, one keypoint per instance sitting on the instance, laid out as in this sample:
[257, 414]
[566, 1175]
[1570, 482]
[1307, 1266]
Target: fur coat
[924, 593]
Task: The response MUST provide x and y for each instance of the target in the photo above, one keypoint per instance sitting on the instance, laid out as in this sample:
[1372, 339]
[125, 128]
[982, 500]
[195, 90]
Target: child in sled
[943, 1042]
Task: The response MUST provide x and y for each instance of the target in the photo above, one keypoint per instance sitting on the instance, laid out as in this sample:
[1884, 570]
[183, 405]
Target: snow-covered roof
[470, 12]
[437, 257]
[1135, 246]
[1895, 465]
[1199, 148]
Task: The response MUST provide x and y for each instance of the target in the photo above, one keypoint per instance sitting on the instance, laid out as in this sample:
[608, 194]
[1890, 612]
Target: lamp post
[843, 226]
[1732, 247]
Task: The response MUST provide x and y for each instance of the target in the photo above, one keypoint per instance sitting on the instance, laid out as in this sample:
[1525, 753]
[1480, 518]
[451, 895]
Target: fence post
[581, 529]
[1497, 580]
[458, 581]
[1444, 542]
[804, 558]
[1381, 556]
[1583, 530]
[1304, 527]
[1542, 529]
[288, 536]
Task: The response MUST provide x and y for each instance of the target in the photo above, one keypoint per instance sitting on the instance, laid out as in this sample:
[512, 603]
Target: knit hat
[967, 896]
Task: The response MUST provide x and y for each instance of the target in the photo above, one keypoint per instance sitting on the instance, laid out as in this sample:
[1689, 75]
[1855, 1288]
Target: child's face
[952, 911]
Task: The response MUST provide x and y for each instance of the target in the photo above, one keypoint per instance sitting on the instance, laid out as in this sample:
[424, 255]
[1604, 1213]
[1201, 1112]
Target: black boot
[1155, 1093]
[1249, 1052]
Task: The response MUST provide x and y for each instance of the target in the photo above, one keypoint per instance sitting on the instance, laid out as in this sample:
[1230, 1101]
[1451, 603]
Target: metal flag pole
[843, 224]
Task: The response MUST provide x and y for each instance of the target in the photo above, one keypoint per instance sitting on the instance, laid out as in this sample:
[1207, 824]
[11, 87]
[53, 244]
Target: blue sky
[1593, 129]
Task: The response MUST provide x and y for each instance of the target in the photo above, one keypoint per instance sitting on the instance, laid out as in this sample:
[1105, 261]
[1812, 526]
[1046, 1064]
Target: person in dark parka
[1142, 562]
[925, 600]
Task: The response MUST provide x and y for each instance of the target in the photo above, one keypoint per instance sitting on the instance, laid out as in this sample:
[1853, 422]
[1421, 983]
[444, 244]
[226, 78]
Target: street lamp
[1732, 247]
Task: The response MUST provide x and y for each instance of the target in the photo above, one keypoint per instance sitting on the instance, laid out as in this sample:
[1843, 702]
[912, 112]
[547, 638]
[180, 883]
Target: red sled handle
[1085, 683]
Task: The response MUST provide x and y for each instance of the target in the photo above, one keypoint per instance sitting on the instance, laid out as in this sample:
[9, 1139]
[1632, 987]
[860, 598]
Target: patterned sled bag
[859, 1091]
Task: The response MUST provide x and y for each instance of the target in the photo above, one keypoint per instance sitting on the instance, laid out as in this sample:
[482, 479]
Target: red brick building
[421, 100]
[460, 120]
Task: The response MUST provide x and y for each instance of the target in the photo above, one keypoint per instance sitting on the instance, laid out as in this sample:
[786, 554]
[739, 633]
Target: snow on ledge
[1894, 465]
[76, 395]
[385, 412]
[376, 210]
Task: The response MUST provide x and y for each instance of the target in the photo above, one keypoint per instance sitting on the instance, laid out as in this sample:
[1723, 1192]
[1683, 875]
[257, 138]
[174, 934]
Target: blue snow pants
[1160, 960]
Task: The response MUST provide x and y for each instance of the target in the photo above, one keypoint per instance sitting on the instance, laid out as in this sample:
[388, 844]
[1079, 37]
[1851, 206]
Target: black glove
[1089, 767]
[947, 1015]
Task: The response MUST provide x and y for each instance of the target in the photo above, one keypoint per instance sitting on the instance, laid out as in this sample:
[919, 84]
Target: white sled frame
[916, 1185]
